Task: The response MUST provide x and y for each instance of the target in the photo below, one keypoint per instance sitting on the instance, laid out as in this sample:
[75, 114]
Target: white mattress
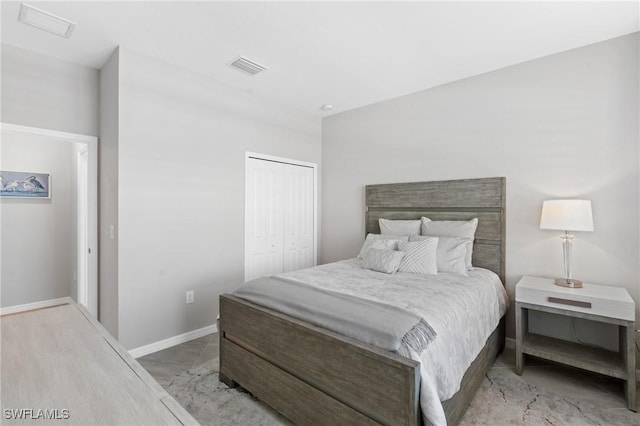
[463, 311]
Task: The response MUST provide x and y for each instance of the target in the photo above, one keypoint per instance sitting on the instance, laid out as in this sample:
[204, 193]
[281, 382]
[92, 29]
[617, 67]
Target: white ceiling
[345, 54]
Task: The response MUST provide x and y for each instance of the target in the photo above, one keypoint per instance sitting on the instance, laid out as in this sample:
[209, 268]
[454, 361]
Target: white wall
[560, 126]
[182, 139]
[41, 91]
[38, 235]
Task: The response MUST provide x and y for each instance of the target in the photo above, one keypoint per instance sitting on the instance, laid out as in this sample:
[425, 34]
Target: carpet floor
[503, 399]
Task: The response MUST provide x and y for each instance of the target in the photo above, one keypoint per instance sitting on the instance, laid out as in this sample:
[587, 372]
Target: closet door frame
[248, 217]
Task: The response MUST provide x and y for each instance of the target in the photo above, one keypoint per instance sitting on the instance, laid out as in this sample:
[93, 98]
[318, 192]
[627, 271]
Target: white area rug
[507, 399]
[503, 399]
[211, 402]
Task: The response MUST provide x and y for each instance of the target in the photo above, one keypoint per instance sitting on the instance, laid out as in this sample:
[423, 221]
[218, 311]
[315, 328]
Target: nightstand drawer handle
[570, 302]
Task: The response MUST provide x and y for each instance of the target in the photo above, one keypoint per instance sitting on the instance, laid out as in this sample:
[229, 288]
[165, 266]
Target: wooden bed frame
[314, 376]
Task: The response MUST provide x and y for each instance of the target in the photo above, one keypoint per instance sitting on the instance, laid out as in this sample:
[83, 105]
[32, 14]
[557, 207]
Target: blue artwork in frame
[25, 185]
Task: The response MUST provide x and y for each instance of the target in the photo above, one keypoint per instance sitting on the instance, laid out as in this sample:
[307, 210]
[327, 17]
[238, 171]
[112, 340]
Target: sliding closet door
[263, 228]
[279, 222]
[298, 217]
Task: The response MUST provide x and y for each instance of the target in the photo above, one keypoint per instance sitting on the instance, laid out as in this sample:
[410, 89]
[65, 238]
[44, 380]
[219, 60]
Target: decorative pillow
[393, 245]
[387, 261]
[399, 227]
[452, 228]
[378, 245]
[420, 257]
[450, 253]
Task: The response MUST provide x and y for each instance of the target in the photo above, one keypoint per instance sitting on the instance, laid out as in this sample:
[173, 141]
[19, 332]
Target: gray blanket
[378, 324]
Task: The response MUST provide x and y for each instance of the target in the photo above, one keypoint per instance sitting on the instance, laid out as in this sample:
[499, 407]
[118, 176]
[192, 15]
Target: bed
[315, 376]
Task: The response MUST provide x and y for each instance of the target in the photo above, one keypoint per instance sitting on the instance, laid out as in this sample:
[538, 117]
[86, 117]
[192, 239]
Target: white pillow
[450, 253]
[393, 245]
[399, 227]
[452, 228]
[386, 261]
[378, 245]
[420, 257]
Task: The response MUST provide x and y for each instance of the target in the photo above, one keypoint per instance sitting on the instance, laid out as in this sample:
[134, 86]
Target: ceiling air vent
[247, 66]
[46, 21]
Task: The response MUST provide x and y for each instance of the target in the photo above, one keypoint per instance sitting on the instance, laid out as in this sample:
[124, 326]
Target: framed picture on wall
[24, 184]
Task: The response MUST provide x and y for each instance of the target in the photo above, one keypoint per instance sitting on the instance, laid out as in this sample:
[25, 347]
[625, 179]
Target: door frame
[92, 185]
[265, 157]
[82, 226]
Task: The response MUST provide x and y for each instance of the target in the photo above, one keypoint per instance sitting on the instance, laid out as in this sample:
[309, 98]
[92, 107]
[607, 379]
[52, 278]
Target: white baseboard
[35, 305]
[172, 341]
[509, 342]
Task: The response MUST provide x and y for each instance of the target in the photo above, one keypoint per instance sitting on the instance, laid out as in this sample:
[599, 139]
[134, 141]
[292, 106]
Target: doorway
[83, 151]
[280, 215]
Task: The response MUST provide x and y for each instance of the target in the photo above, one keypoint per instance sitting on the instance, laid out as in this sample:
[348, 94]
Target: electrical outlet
[190, 296]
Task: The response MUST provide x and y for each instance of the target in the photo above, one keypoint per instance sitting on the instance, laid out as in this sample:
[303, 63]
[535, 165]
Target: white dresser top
[62, 358]
[608, 301]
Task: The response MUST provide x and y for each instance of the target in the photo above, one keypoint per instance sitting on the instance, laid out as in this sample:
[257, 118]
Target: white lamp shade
[567, 215]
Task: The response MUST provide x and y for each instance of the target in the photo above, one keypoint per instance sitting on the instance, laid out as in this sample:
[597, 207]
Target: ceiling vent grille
[247, 66]
[46, 21]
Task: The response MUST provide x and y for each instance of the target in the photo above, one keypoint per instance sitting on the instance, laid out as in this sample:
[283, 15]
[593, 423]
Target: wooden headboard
[448, 200]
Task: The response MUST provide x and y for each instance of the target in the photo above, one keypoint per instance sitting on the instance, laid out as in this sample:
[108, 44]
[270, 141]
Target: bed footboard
[312, 375]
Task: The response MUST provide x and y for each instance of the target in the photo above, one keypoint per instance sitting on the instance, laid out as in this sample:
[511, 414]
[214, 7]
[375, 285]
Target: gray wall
[108, 203]
[40, 91]
[182, 139]
[38, 235]
[561, 126]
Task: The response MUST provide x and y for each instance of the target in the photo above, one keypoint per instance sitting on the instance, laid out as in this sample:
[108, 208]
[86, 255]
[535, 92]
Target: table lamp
[567, 216]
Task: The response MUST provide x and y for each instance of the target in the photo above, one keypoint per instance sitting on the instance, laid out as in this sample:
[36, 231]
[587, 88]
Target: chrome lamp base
[568, 282]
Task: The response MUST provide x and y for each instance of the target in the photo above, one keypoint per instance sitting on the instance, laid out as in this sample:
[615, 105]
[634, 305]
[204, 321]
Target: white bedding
[463, 311]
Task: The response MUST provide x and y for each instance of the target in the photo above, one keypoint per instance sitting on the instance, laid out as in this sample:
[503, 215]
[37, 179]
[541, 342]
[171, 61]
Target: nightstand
[607, 304]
